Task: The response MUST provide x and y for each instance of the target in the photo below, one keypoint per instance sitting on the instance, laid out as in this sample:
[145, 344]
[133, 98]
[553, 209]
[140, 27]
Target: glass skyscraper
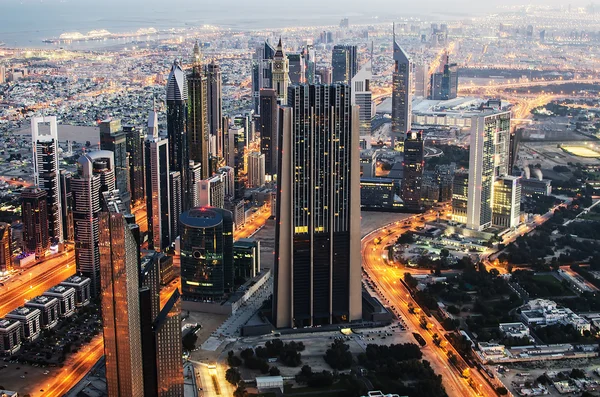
[401, 95]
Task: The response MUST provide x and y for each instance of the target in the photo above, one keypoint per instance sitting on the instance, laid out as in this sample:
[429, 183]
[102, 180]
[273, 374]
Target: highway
[252, 225]
[43, 276]
[387, 278]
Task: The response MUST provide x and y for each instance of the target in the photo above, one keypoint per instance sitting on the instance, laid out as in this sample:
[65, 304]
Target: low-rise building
[82, 289]
[542, 312]
[48, 307]
[10, 336]
[514, 330]
[30, 322]
[66, 299]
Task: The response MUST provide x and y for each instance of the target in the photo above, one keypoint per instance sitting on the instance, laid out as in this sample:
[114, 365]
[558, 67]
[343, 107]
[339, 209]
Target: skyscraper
[311, 62]
[113, 139]
[175, 210]
[413, 165]
[344, 63]
[95, 174]
[34, 212]
[268, 129]
[256, 169]
[297, 68]
[401, 94]
[361, 97]
[488, 160]
[215, 106]
[318, 202]
[177, 97]
[158, 196]
[118, 251]
[444, 82]
[197, 128]
[262, 72]
[5, 248]
[206, 253]
[66, 204]
[135, 151]
[46, 172]
[506, 207]
[195, 176]
[281, 70]
[212, 191]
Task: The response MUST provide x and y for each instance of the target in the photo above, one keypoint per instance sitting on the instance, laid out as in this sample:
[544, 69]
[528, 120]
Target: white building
[48, 307]
[66, 299]
[542, 312]
[514, 330]
[10, 336]
[212, 191]
[361, 96]
[30, 322]
[82, 289]
[269, 382]
[256, 169]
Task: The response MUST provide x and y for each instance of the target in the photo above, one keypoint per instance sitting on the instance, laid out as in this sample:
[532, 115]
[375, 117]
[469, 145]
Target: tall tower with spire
[281, 71]
[177, 98]
[197, 120]
[401, 94]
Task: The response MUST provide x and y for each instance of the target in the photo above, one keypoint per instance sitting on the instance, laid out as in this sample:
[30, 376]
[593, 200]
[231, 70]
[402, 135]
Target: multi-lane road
[387, 279]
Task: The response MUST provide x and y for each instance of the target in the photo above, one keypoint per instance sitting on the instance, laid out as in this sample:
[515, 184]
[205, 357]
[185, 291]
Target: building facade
[344, 63]
[113, 139]
[413, 164]
[281, 70]
[197, 127]
[401, 94]
[34, 207]
[268, 129]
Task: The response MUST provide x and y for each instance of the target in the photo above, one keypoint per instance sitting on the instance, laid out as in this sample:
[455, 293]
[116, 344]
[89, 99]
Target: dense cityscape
[384, 207]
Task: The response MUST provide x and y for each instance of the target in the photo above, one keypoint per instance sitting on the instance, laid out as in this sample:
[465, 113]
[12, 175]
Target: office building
[30, 322]
[46, 173]
[48, 307]
[95, 174]
[228, 176]
[6, 250]
[368, 161]
[10, 336]
[460, 196]
[195, 176]
[34, 207]
[215, 106]
[134, 138]
[421, 80]
[444, 82]
[66, 205]
[361, 97]
[158, 195]
[268, 129]
[177, 99]
[206, 253]
[430, 189]
[176, 207]
[120, 303]
[310, 60]
[197, 115]
[66, 299]
[318, 206]
[262, 72]
[533, 186]
[413, 165]
[246, 259]
[401, 94]
[81, 285]
[231, 134]
[506, 207]
[344, 63]
[488, 160]
[113, 139]
[379, 194]
[212, 192]
[281, 70]
[297, 68]
[256, 169]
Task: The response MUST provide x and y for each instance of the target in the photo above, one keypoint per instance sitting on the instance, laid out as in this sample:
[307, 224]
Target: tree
[339, 356]
[577, 373]
[501, 391]
[274, 371]
[188, 342]
[247, 353]
[233, 360]
[232, 375]
[406, 238]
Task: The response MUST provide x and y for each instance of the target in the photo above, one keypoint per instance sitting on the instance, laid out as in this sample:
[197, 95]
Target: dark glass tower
[215, 106]
[268, 129]
[66, 202]
[317, 254]
[344, 63]
[112, 138]
[34, 210]
[197, 128]
[413, 170]
[177, 97]
[206, 253]
[135, 152]
[401, 94]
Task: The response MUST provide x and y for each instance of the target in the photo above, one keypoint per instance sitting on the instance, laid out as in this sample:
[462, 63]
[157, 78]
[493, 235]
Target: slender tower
[177, 98]
[281, 70]
[215, 106]
[197, 121]
[401, 94]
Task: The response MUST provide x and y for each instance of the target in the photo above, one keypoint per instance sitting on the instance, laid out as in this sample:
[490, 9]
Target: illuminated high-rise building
[206, 253]
[256, 169]
[5, 248]
[175, 183]
[177, 99]
[297, 68]
[113, 139]
[413, 165]
[444, 82]
[34, 207]
[268, 129]
[344, 63]
[506, 207]
[401, 94]
[215, 107]
[46, 172]
[262, 72]
[317, 253]
[281, 70]
[197, 128]
[158, 195]
[66, 204]
[135, 153]
[118, 251]
[362, 97]
[95, 174]
[212, 191]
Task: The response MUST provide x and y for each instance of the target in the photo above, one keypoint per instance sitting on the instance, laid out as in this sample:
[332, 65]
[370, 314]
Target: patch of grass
[547, 279]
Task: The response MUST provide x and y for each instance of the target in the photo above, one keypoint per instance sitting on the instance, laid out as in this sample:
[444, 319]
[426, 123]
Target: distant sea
[26, 23]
